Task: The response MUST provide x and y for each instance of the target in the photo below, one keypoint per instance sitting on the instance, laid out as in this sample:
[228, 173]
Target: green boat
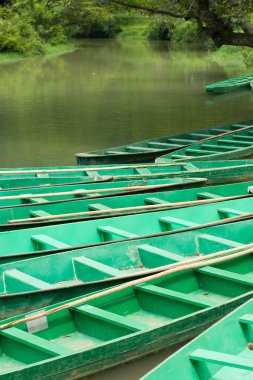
[34, 283]
[30, 184]
[230, 85]
[148, 150]
[237, 145]
[43, 182]
[90, 334]
[223, 352]
[215, 171]
[20, 216]
[41, 195]
[36, 241]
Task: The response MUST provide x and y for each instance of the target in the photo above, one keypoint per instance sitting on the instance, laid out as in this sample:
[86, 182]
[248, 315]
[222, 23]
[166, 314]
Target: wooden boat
[41, 195]
[104, 329]
[224, 351]
[148, 150]
[215, 171]
[33, 183]
[67, 211]
[230, 85]
[34, 283]
[236, 145]
[43, 182]
[37, 241]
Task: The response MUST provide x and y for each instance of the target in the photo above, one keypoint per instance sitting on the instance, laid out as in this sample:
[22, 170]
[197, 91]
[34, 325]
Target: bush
[90, 21]
[16, 35]
[160, 30]
[186, 32]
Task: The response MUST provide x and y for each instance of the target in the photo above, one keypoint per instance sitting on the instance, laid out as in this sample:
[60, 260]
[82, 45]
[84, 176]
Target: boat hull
[124, 154]
[230, 85]
[107, 266]
[235, 145]
[128, 349]
[118, 206]
[224, 344]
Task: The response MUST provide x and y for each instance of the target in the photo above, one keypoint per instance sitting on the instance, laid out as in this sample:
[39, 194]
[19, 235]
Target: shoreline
[51, 51]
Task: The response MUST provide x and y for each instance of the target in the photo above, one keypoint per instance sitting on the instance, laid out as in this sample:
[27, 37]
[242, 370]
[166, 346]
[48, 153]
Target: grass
[137, 30]
[51, 51]
[234, 58]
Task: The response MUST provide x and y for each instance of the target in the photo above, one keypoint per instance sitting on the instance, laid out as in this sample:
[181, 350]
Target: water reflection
[106, 93]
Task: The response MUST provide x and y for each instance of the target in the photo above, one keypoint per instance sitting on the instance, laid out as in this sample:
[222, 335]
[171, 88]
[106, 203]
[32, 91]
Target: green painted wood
[110, 203]
[148, 150]
[34, 283]
[222, 352]
[35, 241]
[220, 358]
[123, 326]
[77, 191]
[229, 85]
[215, 171]
[213, 150]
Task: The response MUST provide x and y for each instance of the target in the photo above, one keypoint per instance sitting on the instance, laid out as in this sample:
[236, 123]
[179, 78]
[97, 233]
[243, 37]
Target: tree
[227, 22]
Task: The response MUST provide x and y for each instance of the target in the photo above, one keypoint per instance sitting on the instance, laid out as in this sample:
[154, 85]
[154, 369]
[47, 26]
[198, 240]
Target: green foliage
[160, 30]
[18, 35]
[178, 31]
[85, 20]
[27, 25]
[187, 32]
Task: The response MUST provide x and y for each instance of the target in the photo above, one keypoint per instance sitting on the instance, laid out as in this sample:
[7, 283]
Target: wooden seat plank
[222, 359]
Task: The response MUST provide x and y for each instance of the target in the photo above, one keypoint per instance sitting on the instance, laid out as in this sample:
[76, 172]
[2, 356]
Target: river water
[108, 93]
[104, 94]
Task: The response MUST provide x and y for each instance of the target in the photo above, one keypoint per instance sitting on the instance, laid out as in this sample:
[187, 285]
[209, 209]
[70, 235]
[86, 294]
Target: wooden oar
[244, 250]
[84, 169]
[199, 257]
[167, 205]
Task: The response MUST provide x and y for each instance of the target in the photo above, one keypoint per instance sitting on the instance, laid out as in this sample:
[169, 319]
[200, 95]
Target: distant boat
[230, 84]
[224, 351]
[83, 336]
[21, 216]
[230, 146]
[148, 150]
[37, 241]
[33, 283]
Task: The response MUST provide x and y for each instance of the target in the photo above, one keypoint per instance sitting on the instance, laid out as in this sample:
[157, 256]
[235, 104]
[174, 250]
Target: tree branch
[164, 12]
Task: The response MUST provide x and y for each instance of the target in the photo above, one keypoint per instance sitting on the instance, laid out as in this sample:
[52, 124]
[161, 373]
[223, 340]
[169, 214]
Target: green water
[107, 93]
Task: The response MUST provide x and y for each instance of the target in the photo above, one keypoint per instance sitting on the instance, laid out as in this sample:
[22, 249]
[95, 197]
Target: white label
[38, 324]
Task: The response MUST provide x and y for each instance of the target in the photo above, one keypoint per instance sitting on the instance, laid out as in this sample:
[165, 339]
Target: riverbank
[234, 58]
[50, 51]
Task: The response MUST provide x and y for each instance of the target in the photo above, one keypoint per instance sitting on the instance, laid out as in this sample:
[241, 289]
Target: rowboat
[31, 184]
[224, 351]
[36, 241]
[215, 171]
[34, 283]
[230, 84]
[236, 145]
[95, 332]
[67, 211]
[23, 183]
[148, 150]
[41, 195]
